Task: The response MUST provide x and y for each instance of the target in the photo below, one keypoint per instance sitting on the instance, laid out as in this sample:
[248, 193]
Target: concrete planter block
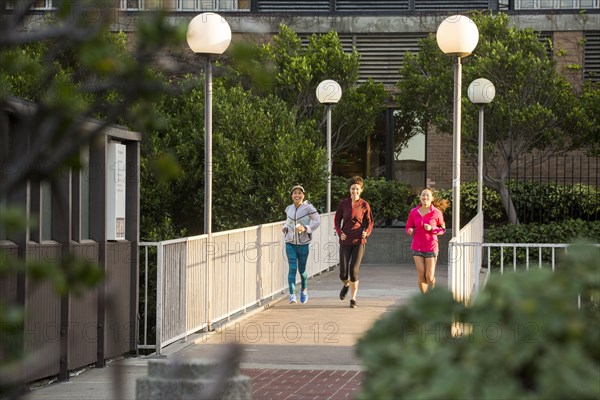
[189, 380]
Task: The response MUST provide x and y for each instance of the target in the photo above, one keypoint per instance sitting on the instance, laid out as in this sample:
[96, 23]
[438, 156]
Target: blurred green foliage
[523, 338]
[72, 69]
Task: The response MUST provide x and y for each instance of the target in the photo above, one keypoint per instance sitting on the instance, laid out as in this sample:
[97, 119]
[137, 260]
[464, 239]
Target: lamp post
[329, 92]
[208, 34]
[457, 36]
[481, 91]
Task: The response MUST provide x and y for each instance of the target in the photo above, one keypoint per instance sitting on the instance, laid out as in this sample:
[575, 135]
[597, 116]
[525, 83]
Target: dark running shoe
[353, 304]
[344, 292]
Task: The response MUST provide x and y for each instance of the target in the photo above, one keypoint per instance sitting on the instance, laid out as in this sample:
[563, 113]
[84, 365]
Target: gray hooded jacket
[306, 215]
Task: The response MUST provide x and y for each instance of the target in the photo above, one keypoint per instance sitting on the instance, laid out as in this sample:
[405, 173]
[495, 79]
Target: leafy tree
[260, 151]
[292, 72]
[73, 70]
[535, 108]
[590, 101]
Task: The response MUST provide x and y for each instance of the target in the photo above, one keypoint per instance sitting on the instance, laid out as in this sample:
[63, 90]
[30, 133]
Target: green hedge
[492, 203]
[533, 201]
[388, 199]
[555, 202]
[568, 231]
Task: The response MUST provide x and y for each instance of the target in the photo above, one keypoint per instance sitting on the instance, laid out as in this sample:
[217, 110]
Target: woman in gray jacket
[302, 219]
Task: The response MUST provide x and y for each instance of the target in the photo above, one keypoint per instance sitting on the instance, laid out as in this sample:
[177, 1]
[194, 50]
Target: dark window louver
[591, 57]
[379, 5]
[289, 6]
[381, 54]
[369, 6]
[449, 5]
[546, 38]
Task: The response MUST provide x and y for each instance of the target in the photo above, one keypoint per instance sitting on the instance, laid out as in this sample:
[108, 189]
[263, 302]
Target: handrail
[247, 265]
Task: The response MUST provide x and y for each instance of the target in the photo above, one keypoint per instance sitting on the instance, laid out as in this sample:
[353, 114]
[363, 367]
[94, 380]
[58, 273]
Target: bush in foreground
[525, 338]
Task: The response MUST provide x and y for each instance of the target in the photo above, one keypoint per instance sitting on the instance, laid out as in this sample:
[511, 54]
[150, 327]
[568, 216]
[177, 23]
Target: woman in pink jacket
[425, 223]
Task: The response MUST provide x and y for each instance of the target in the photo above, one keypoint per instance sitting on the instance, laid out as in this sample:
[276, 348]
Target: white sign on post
[115, 191]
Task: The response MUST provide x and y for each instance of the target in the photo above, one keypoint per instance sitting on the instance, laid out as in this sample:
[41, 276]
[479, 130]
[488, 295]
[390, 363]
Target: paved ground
[291, 351]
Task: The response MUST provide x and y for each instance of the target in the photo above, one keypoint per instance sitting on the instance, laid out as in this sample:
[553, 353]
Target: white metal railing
[201, 283]
[524, 255]
[469, 257]
[464, 260]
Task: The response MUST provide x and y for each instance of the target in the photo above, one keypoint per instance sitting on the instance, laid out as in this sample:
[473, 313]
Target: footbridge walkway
[290, 351]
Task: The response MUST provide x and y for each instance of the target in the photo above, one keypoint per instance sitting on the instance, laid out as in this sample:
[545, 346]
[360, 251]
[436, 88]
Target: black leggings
[350, 258]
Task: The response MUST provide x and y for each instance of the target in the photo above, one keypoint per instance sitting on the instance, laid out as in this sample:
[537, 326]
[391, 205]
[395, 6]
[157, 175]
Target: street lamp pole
[329, 93]
[457, 36]
[456, 147]
[329, 161]
[481, 91]
[208, 34]
[208, 147]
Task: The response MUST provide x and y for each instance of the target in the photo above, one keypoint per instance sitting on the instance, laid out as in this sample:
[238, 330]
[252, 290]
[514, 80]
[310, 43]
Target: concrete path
[291, 351]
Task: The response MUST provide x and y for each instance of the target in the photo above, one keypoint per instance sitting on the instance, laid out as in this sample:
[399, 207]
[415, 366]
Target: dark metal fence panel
[83, 318]
[118, 327]
[568, 185]
[42, 320]
[8, 284]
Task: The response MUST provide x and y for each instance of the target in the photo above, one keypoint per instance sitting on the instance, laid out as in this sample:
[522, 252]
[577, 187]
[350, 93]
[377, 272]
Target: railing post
[159, 295]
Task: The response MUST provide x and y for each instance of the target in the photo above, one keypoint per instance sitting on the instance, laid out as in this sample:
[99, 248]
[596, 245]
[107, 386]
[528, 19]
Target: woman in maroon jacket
[353, 223]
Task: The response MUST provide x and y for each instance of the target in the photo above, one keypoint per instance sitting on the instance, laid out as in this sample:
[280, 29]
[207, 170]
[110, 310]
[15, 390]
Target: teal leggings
[297, 255]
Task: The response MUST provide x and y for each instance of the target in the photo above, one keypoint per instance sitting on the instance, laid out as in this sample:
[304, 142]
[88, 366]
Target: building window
[181, 5]
[555, 4]
[409, 162]
[407, 155]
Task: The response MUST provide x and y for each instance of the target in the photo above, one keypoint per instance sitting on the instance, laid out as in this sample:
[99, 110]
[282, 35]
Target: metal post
[208, 148]
[329, 162]
[456, 150]
[208, 183]
[480, 163]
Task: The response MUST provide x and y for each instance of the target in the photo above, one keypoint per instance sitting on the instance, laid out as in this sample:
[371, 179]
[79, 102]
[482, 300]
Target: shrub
[525, 339]
[554, 232]
[543, 202]
[534, 201]
[493, 209]
[388, 199]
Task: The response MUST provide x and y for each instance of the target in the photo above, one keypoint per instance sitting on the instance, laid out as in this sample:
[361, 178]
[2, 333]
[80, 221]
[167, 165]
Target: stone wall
[392, 246]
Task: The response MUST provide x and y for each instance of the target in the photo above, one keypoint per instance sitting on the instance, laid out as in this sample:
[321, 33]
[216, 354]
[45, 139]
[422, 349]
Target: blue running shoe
[293, 298]
[304, 296]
